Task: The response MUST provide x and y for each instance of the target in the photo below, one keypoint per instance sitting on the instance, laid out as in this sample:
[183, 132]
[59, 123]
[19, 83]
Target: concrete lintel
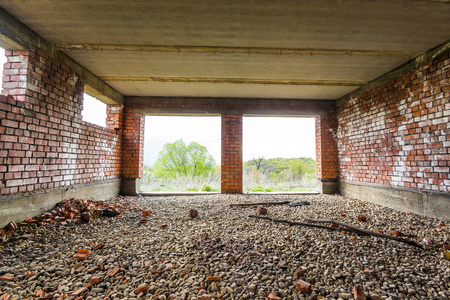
[217, 106]
[19, 206]
[426, 203]
[415, 63]
[17, 36]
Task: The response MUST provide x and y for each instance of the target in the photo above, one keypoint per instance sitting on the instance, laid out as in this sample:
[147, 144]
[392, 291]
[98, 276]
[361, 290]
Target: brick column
[133, 151]
[231, 171]
[326, 153]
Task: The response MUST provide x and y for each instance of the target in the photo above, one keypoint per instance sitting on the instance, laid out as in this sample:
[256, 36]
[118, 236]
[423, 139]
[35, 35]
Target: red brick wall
[44, 143]
[231, 171]
[398, 134]
[133, 144]
[326, 147]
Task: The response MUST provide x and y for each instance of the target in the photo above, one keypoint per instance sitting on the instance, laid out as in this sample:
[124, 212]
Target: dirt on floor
[158, 248]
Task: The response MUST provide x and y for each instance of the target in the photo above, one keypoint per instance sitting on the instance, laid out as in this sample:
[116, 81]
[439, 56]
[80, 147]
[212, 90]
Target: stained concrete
[430, 204]
[321, 26]
[130, 186]
[328, 187]
[16, 208]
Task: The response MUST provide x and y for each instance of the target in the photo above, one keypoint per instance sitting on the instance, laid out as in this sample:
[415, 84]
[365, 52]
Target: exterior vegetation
[279, 174]
[181, 167]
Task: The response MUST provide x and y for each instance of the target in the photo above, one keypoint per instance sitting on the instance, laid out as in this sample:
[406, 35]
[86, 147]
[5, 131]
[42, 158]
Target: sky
[263, 136]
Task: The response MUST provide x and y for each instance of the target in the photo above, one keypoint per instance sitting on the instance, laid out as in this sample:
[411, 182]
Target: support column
[133, 152]
[231, 172]
[327, 154]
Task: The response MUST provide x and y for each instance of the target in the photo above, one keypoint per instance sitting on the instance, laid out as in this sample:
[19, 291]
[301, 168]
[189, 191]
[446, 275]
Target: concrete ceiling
[313, 49]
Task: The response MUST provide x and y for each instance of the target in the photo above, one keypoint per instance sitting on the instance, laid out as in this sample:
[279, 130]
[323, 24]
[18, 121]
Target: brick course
[398, 134]
[44, 142]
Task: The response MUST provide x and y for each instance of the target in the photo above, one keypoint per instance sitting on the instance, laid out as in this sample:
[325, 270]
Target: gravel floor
[251, 257]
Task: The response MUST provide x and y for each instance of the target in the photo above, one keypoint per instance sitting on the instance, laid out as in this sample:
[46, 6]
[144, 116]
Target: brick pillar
[326, 153]
[231, 172]
[133, 151]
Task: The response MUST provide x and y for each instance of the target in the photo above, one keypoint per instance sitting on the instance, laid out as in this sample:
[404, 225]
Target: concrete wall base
[431, 204]
[130, 186]
[17, 207]
[328, 187]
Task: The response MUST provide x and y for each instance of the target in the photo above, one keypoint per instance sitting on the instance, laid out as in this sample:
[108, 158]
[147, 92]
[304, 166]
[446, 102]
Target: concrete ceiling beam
[235, 80]
[17, 36]
[196, 106]
[232, 50]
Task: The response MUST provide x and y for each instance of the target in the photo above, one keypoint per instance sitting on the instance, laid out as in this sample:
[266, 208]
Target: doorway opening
[279, 154]
[181, 154]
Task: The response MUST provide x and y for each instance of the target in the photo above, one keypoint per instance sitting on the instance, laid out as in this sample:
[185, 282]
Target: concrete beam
[172, 106]
[232, 50]
[419, 61]
[236, 80]
[17, 36]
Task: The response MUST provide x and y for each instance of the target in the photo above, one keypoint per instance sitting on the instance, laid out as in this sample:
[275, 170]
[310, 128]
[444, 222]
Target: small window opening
[94, 111]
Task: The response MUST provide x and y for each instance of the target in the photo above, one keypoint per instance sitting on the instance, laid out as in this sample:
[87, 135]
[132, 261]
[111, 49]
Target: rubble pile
[201, 248]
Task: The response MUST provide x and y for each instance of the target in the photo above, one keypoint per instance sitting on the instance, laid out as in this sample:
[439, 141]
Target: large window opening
[279, 154]
[181, 154]
[94, 111]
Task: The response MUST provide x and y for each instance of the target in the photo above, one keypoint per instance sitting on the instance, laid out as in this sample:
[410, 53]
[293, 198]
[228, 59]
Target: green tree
[179, 160]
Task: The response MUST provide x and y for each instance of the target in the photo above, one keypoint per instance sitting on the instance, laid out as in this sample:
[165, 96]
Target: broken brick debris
[86, 216]
[7, 277]
[213, 278]
[143, 221]
[442, 224]
[162, 226]
[98, 246]
[358, 293]
[396, 233]
[141, 289]
[362, 218]
[303, 286]
[113, 272]
[261, 210]
[79, 291]
[146, 213]
[5, 296]
[40, 293]
[184, 273]
[95, 280]
[193, 213]
[299, 272]
[77, 266]
[82, 254]
[11, 226]
[272, 297]
[156, 271]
